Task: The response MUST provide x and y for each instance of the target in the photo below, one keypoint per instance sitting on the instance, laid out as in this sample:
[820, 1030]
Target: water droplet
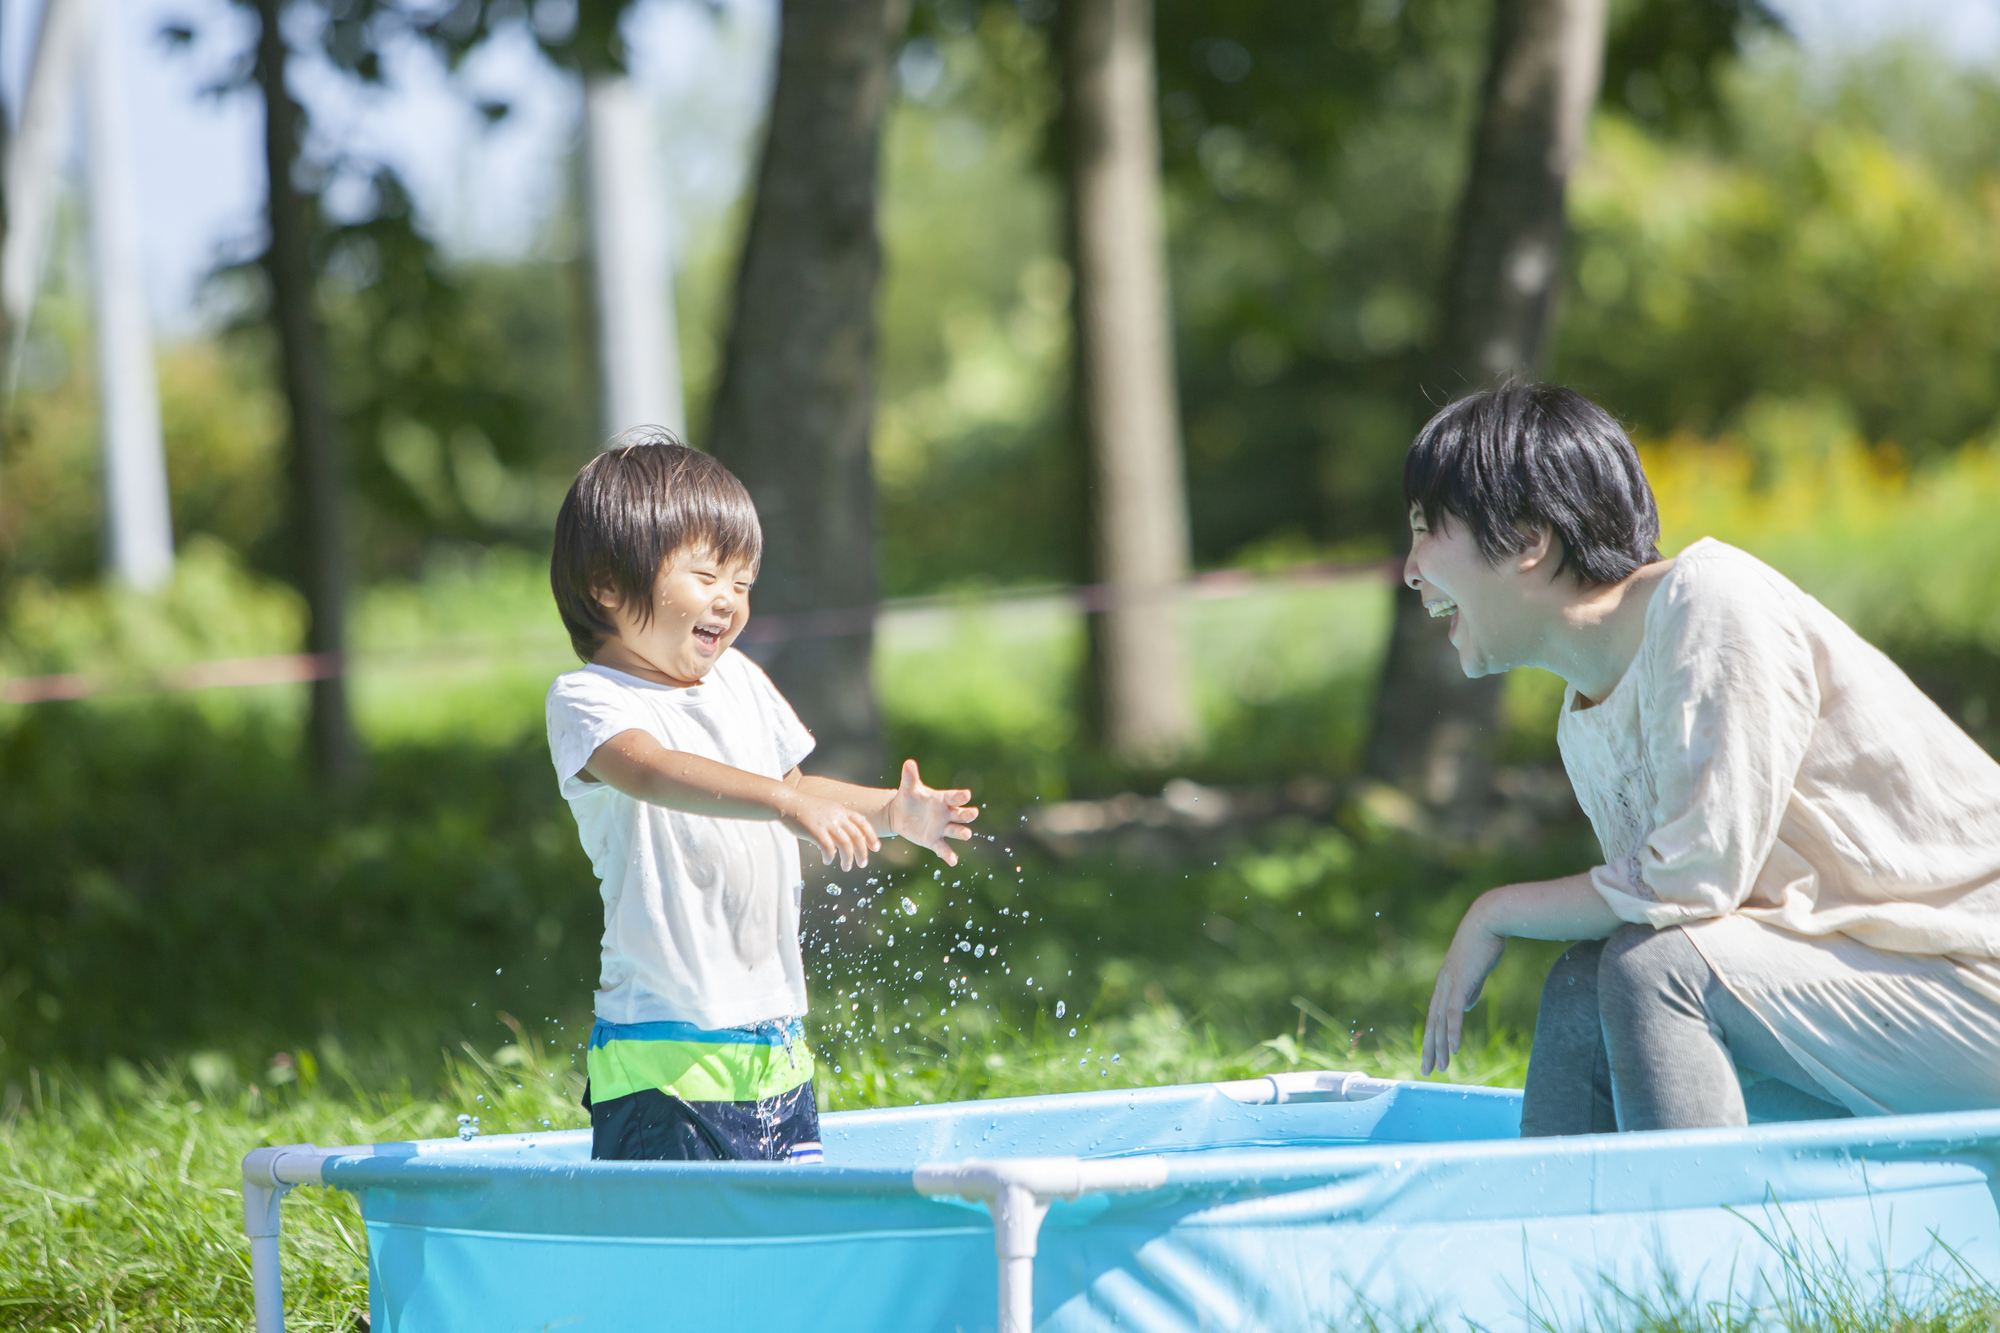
[1116, 1058]
[834, 889]
[1059, 1009]
[909, 908]
[1072, 1032]
[979, 951]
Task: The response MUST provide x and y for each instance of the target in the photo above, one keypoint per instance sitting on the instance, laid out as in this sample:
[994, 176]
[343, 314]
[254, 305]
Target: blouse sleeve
[1731, 702]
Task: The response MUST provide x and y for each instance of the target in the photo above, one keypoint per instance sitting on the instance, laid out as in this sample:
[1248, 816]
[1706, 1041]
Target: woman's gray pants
[1636, 1032]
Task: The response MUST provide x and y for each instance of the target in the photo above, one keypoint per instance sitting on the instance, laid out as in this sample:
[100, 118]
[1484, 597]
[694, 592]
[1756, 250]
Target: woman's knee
[1642, 967]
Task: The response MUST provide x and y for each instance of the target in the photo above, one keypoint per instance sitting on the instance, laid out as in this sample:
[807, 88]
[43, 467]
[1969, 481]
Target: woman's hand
[1474, 953]
[839, 833]
[1549, 909]
[927, 816]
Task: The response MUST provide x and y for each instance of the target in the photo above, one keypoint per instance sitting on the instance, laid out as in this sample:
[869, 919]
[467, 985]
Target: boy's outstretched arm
[635, 763]
[924, 815]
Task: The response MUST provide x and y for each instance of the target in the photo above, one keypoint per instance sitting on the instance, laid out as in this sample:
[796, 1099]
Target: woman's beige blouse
[1760, 758]
[1765, 777]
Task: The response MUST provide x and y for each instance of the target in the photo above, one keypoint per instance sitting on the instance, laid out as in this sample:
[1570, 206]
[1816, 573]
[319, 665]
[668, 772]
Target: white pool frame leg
[1018, 1192]
[269, 1174]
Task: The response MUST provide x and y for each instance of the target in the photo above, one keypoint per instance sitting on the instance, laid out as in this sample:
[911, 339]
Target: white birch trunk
[137, 511]
[638, 345]
[47, 112]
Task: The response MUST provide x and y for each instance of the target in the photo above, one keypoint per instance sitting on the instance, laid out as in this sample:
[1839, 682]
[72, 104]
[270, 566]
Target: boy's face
[700, 604]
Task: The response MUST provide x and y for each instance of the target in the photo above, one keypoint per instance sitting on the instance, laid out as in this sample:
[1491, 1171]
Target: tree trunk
[138, 511]
[1434, 729]
[316, 469]
[6, 313]
[1125, 374]
[33, 169]
[631, 264]
[795, 407]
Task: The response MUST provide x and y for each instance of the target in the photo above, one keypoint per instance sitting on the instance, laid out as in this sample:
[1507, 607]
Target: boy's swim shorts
[675, 1092]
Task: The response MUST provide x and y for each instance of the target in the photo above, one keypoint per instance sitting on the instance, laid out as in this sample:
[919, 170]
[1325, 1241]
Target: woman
[1801, 886]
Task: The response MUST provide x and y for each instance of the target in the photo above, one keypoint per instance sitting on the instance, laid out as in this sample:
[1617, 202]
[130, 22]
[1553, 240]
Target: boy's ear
[1542, 546]
[606, 596]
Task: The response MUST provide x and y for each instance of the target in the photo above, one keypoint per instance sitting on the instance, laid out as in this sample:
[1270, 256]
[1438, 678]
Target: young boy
[680, 761]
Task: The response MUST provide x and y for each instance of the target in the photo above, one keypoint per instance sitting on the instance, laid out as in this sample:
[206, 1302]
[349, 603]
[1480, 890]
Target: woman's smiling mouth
[1441, 608]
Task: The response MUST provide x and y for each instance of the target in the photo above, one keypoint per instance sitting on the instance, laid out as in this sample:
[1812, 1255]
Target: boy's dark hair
[644, 498]
[1509, 460]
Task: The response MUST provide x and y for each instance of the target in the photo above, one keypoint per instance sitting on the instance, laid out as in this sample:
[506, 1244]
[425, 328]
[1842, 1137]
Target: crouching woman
[1801, 878]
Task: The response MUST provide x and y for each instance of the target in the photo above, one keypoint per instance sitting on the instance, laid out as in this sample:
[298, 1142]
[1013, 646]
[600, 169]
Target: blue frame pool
[1285, 1203]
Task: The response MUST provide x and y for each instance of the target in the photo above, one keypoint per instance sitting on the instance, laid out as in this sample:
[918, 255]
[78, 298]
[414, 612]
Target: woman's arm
[1570, 908]
[635, 763]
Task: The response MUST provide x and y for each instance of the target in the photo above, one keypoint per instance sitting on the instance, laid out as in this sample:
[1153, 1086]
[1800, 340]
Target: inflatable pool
[1292, 1202]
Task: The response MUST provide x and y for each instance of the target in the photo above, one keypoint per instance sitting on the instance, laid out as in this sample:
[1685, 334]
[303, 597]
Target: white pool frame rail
[1017, 1191]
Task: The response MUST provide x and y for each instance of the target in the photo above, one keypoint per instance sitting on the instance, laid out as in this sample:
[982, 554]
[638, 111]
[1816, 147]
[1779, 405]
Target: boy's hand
[839, 833]
[928, 817]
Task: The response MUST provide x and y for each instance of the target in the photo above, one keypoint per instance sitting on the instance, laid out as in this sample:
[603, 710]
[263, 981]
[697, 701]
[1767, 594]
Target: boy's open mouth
[709, 635]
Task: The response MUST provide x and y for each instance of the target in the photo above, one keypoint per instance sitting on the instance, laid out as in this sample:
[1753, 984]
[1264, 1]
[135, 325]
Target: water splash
[909, 908]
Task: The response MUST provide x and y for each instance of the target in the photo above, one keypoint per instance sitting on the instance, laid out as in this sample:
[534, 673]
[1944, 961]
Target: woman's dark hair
[1510, 460]
[637, 503]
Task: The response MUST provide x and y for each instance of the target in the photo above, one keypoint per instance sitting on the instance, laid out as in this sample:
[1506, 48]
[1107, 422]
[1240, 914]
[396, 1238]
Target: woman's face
[1481, 603]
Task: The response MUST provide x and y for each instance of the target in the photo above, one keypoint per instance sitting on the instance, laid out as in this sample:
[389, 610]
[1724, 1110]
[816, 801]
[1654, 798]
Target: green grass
[121, 1197]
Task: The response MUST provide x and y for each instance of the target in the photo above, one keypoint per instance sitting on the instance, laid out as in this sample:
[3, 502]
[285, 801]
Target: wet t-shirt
[701, 915]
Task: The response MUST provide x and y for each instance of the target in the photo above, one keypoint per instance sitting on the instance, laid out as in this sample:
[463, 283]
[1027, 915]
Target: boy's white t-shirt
[701, 915]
